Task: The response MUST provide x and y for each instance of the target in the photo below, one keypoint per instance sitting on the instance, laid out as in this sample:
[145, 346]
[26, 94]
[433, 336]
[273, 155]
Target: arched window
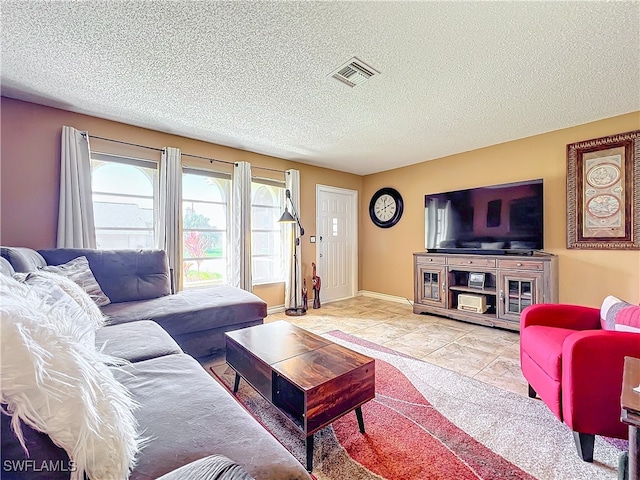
[124, 203]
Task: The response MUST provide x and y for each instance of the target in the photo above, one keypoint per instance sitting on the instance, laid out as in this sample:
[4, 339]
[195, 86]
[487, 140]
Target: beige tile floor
[490, 355]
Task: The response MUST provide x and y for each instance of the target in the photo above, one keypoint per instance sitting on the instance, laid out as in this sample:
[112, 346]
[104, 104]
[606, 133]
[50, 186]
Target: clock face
[385, 208]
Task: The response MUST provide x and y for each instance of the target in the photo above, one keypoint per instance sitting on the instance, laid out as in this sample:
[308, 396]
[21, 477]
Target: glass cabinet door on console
[518, 291]
[431, 286]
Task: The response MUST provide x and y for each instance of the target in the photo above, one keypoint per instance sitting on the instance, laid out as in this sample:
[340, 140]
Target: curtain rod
[124, 143]
[265, 179]
[211, 160]
[184, 154]
[254, 167]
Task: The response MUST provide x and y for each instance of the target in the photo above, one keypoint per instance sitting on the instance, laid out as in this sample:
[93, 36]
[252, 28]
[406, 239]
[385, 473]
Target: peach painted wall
[29, 176]
[30, 173]
[585, 277]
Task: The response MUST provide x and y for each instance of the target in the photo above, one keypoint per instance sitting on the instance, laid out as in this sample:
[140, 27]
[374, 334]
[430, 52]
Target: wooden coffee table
[310, 380]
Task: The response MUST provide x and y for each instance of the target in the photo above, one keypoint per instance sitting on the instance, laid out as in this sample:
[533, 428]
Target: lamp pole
[295, 219]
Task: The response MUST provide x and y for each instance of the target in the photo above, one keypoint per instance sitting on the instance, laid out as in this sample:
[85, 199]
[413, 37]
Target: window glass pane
[123, 179]
[204, 215]
[264, 195]
[267, 243]
[198, 244]
[201, 187]
[205, 225]
[264, 243]
[205, 272]
[266, 218]
[265, 269]
[123, 205]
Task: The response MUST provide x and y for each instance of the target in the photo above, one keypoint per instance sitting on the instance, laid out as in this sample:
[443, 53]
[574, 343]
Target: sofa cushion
[209, 421]
[123, 275]
[23, 259]
[78, 271]
[544, 346]
[192, 312]
[136, 341]
[209, 345]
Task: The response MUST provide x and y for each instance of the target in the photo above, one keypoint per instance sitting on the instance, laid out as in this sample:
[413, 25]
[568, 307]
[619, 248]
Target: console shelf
[481, 291]
[505, 285]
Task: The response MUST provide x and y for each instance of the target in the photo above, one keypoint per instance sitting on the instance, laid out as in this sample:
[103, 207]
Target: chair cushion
[544, 345]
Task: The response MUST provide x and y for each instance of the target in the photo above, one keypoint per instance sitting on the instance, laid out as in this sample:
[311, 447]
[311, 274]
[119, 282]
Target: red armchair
[575, 367]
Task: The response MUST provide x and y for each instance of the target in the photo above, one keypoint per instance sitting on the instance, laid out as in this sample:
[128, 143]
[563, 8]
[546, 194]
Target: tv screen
[496, 218]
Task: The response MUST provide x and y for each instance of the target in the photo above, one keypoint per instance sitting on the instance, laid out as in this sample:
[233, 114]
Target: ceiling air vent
[354, 72]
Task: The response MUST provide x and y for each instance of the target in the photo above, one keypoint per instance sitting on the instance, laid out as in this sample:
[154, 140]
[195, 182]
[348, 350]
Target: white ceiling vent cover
[354, 72]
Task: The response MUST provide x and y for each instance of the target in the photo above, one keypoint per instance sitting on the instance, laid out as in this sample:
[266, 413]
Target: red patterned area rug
[430, 423]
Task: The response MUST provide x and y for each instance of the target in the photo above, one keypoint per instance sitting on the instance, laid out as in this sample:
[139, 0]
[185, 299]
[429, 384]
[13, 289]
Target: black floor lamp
[287, 217]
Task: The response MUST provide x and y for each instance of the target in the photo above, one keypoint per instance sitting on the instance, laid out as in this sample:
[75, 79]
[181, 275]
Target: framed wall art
[603, 194]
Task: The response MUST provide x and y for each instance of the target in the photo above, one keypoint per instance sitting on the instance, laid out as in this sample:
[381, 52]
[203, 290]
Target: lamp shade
[287, 217]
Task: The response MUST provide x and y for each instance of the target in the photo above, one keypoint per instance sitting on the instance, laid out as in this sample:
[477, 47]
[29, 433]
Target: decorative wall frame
[603, 193]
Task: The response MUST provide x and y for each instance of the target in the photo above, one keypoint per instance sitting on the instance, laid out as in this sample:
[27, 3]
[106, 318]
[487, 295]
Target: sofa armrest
[575, 317]
[592, 365]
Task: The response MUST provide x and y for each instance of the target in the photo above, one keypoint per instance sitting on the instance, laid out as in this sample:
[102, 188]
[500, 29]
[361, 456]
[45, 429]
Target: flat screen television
[506, 218]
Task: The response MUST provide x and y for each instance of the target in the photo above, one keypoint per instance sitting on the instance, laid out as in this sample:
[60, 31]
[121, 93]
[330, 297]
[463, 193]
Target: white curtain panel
[76, 227]
[241, 227]
[292, 183]
[169, 212]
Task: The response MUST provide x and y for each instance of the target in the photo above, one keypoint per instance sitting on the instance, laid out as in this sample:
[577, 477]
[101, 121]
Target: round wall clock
[385, 208]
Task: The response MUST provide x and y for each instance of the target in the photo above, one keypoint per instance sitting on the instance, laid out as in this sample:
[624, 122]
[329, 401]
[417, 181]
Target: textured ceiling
[455, 76]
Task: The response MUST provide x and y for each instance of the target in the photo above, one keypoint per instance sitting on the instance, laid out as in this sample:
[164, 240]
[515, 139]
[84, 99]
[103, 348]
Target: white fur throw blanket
[56, 382]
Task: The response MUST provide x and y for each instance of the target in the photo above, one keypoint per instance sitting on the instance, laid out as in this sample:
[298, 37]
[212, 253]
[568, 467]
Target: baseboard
[384, 296]
[276, 309]
[361, 293]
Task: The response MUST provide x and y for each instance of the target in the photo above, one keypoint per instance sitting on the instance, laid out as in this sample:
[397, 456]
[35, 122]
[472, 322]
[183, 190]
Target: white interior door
[337, 242]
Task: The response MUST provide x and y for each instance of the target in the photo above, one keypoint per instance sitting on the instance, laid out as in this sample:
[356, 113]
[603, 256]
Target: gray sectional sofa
[138, 283]
[185, 413]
